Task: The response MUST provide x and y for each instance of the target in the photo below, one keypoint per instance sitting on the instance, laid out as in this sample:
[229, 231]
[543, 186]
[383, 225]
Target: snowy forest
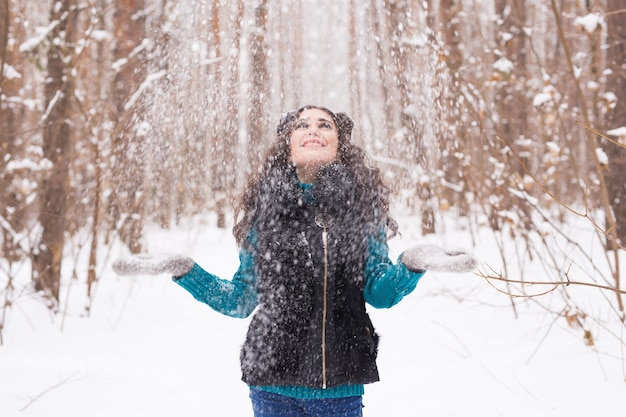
[504, 115]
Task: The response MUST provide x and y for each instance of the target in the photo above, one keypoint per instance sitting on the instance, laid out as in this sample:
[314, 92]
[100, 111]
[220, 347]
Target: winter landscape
[128, 126]
[451, 348]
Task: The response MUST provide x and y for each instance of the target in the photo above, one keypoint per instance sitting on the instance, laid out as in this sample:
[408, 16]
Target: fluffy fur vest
[311, 326]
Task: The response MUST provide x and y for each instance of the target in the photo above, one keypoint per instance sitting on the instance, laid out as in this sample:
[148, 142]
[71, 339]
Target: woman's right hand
[153, 264]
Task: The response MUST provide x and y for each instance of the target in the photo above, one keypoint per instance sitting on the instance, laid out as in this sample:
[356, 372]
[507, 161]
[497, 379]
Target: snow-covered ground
[451, 348]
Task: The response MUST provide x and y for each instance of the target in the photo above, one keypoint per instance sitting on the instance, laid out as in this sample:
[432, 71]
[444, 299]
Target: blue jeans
[267, 404]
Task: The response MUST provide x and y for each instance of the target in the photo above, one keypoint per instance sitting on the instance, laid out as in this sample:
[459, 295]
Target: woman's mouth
[312, 143]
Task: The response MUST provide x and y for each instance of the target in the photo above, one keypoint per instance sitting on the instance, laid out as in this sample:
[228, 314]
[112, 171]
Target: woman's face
[314, 142]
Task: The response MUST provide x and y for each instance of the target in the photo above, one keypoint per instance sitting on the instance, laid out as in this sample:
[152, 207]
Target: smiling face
[314, 143]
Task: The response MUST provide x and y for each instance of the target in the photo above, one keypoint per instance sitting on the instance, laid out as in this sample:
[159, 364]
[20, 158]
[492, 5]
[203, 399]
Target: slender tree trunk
[8, 88]
[510, 97]
[450, 21]
[5, 10]
[298, 55]
[99, 137]
[93, 248]
[259, 93]
[227, 128]
[616, 83]
[443, 43]
[380, 16]
[218, 142]
[355, 74]
[509, 100]
[403, 26]
[54, 190]
[128, 169]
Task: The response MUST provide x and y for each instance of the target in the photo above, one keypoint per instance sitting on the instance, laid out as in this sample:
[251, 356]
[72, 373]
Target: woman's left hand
[435, 258]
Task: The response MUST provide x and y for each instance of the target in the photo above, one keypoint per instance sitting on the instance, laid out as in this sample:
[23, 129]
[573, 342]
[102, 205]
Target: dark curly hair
[375, 193]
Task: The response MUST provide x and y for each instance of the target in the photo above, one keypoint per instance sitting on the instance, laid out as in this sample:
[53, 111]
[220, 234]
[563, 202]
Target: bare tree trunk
[4, 35]
[444, 43]
[227, 129]
[17, 207]
[381, 20]
[54, 190]
[509, 100]
[403, 24]
[99, 94]
[447, 23]
[298, 55]
[449, 19]
[8, 125]
[616, 83]
[128, 168]
[93, 248]
[355, 74]
[259, 95]
[218, 135]
[510, 97]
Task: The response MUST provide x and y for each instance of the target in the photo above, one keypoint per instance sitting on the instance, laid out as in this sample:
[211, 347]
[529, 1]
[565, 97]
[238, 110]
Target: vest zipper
[324, 221]
[325, 308]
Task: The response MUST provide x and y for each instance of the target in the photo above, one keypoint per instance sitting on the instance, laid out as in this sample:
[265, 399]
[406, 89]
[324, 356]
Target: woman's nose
[313, 131]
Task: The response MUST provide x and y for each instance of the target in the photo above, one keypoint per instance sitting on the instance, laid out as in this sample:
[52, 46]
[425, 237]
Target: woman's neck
[308, 174]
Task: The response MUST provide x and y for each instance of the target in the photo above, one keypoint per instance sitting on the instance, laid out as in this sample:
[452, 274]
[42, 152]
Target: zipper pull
[324, 220]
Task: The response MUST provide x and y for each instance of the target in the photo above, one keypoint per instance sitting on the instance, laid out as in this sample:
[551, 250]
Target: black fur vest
[311, 328]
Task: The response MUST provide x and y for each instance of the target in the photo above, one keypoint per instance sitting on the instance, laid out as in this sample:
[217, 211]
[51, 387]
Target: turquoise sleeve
[234, 298]
[386, 283]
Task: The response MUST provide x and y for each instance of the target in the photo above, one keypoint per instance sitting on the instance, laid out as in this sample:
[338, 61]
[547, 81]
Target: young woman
[312, 228]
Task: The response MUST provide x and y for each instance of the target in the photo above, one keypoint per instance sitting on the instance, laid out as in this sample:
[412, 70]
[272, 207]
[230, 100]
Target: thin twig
[568, 282]
[510, 294]
[41, 394]
[597, 132]
[545, 336]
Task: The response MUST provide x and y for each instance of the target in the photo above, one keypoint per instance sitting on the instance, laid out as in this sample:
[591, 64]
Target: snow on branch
[144, 85]
[620, 132]
[6, 226]
[10, 73]
[503, 65]
[589, 23]
[42, 33]
[51, 105]
[117, 65]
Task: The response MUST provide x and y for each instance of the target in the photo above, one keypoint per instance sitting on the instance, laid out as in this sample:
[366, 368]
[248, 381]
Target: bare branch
[597, 132]
[555, 284]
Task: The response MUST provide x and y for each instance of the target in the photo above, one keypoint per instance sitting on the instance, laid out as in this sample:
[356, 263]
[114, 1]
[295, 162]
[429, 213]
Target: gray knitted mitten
[153, 264]
[435, 258]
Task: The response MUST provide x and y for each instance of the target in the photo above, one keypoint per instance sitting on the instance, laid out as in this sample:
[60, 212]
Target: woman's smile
[312, 142]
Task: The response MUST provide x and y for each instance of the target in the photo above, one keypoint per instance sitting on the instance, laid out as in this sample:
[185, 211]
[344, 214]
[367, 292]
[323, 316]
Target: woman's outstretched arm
[234, 298]
[386, 283]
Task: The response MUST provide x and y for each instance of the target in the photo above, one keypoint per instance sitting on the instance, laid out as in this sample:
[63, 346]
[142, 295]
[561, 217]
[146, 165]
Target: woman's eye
[326, 125]
[301, 125]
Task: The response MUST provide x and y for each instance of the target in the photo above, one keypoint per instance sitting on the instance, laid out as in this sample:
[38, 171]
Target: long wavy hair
[375, 192]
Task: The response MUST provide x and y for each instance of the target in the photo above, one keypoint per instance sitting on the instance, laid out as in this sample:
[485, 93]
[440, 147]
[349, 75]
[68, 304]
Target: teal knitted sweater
[386, 284]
